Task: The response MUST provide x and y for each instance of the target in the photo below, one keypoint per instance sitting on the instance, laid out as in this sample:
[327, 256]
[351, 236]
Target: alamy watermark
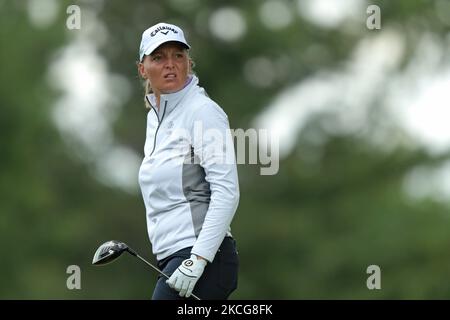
[74, 280]
[374, 20]
[73, 21]
[211, 145]
[374, 280]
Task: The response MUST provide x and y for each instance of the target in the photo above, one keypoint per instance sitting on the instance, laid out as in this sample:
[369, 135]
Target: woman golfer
[188, 177]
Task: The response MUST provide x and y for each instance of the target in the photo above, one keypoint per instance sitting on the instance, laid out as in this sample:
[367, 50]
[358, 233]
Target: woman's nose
[169, 63]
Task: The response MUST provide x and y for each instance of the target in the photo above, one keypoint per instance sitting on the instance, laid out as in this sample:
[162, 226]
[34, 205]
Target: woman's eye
[156, 58]
[179, 55]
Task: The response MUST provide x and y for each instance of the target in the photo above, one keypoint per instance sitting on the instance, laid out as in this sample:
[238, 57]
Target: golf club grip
[160, 272]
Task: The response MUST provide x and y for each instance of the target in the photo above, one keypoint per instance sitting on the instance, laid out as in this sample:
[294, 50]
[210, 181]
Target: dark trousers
[218, 281]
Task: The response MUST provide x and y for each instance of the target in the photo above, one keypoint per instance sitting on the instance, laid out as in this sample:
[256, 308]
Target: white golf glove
[187, 275]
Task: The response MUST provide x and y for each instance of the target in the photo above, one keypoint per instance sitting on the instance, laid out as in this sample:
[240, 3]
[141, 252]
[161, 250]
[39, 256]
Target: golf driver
[111, 250]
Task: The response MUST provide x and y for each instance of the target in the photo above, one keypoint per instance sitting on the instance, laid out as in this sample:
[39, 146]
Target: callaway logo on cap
[158, 34]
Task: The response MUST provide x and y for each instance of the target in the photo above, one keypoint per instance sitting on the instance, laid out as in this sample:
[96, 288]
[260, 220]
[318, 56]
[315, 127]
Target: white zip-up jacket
[188, 177]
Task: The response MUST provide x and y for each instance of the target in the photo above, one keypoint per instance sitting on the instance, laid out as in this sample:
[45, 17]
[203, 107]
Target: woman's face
[167, 68]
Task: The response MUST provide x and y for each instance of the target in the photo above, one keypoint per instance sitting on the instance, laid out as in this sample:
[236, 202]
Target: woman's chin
[171, 88]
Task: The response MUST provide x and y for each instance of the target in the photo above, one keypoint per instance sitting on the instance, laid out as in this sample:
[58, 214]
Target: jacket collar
[169, 101]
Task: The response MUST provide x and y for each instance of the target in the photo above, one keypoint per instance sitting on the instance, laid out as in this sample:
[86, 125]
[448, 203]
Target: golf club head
[108, 252]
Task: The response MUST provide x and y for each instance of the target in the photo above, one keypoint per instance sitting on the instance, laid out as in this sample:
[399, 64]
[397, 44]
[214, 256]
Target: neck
[158, 99]
[158, 93]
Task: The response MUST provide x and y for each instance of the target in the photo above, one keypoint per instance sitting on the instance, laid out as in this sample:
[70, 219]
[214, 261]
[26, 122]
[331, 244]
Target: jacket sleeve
[213, 145]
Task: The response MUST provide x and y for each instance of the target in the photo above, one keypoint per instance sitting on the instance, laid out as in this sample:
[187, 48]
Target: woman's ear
[141, 69]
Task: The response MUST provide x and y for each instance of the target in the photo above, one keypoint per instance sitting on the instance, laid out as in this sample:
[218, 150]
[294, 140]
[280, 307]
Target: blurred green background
[362, 117]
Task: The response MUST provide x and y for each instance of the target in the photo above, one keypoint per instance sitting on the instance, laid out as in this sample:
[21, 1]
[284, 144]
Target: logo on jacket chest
[169, 128]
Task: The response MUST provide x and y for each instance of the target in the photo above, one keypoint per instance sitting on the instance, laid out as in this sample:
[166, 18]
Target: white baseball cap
[158, 34]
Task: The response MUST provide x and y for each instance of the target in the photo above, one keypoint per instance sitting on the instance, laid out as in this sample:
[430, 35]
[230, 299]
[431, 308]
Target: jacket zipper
[159, 124]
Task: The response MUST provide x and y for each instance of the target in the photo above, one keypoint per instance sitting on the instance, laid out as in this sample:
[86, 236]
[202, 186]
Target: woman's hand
[187, 274]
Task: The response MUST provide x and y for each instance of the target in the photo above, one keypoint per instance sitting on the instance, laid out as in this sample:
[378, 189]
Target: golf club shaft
[159, 271]
[155, 268]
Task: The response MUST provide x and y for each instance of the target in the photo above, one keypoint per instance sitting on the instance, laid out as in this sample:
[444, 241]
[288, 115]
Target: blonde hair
[147, 90]
[148, 86]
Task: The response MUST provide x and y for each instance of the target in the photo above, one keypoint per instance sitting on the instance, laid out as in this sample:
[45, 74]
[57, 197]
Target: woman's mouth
[170, 76]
